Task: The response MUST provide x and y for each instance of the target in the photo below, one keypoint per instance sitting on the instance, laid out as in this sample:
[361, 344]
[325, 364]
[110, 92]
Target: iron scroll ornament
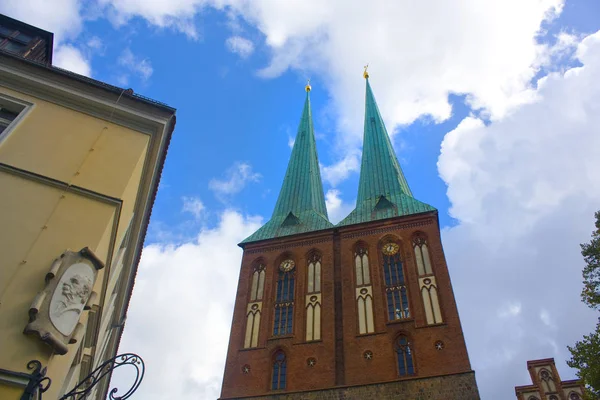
[83, 388]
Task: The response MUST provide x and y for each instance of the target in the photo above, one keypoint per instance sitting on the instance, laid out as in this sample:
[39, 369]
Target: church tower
[362, 309]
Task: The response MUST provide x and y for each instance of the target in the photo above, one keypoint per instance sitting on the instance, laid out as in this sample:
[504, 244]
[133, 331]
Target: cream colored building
[80, 163]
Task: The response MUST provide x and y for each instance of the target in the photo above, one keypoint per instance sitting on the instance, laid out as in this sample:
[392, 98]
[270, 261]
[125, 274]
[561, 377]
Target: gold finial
[366, 74]
[307, 87]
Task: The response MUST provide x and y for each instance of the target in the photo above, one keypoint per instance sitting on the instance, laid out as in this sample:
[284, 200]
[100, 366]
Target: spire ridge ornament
[366, 73]
[308, 88]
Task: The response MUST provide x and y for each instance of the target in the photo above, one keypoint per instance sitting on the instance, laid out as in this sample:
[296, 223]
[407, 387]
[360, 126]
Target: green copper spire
[301, 204]
[382, 190]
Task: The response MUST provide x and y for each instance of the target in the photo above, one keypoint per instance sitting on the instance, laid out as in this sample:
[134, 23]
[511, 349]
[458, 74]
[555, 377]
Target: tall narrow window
[284, 299]
[395, 285]
[364, 295]
[279, 371]
[254, 309]
[422, 255]
[258, 283]
[548, 384]
[431, 303]
[427, 281]
[404, 356]
[313, 299]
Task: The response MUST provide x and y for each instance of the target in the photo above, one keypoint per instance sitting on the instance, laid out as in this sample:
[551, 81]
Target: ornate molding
[384, 230]
[288, 246]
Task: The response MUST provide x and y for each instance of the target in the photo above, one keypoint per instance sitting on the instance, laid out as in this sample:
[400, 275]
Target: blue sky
[493, 108]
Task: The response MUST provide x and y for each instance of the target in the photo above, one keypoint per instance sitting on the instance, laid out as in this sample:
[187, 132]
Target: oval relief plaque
[70, 296]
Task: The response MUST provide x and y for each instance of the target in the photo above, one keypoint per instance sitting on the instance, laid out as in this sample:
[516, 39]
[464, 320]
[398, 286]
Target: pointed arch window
[427, 280]
[364, 292]
[313, 298]
[284, 299]
[422, 255]
[258, 283]
[361, 261]
[404, 356]
[279, 379]
[547, 381]
[254, 308]
[395, 284]
[431, 303]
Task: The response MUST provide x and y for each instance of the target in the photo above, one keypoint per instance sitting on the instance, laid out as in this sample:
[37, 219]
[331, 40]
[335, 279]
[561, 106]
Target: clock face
[287, 265]
[390, 249]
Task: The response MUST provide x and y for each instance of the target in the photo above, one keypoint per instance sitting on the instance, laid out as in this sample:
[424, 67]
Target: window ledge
[310, 342]
[400, 321]
[252, 348]
[362, 335]
[280, 337]
[432, 325]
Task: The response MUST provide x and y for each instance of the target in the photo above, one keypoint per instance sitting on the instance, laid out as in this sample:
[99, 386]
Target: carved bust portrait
[70, 296]
[56, 310]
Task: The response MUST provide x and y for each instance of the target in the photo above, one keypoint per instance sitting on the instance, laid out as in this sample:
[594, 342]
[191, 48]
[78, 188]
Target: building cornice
[82, 94]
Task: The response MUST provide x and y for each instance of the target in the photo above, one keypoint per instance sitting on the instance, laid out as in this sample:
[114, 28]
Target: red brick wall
[344, 364]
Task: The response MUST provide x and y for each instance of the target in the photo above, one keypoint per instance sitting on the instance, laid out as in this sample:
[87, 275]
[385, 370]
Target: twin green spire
[382, 191]
[301, 204]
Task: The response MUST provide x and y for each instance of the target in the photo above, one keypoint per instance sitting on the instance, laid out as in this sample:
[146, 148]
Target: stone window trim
[313, 296]
[257, 266]
[12, 112]
[254, 308]
[313, 257]
[359, 249]
[426, 266]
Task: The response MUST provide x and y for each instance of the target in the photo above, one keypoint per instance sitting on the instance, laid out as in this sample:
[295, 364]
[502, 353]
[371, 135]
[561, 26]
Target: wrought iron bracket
[39, 382]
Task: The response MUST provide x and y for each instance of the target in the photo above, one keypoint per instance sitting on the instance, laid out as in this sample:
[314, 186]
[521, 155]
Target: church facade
[360, 309]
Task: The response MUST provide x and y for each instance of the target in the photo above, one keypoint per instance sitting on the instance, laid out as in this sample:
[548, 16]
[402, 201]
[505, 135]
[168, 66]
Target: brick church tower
[362, 309]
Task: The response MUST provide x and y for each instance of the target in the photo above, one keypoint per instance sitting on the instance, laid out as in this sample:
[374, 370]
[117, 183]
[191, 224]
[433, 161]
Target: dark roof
[47, 37]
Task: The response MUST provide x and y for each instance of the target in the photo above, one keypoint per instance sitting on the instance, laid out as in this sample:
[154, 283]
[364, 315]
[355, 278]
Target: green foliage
[585, 355]
[591, 273]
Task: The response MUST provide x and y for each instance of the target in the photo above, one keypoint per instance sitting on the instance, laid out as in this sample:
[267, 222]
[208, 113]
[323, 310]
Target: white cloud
[180, 313]
[173, 14]
[142, 67]
[71, 58]
[524, 189]
[418, 52]
[194, 206]
[336, 173]
[95, 43]
[337, 209]
[240, 46]
[237, 176]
